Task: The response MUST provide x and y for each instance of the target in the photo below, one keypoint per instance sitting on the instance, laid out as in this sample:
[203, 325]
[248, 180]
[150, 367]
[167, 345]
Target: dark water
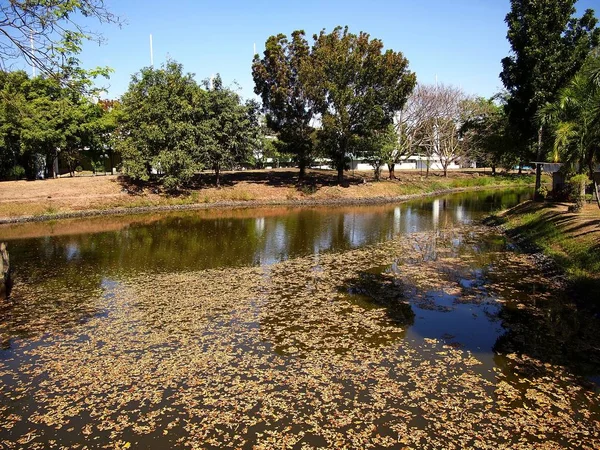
[66, 274]
[209, 239]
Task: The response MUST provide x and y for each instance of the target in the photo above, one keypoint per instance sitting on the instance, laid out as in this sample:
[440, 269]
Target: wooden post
[5, 281]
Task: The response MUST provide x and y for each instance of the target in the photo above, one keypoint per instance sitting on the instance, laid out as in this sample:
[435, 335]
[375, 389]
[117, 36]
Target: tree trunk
[597, 193]
[217, 175]
[302, 167]
[341, 162]
[377, 171]
[520, 167]
[391, 171]
[538, 168]
[50, 166]
[340, 174]
[493, 170]
[446, 170]
[427, 172]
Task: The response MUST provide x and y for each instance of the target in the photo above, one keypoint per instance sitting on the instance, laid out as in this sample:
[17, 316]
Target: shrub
[542, 191]
[577, 185]
[16, 173]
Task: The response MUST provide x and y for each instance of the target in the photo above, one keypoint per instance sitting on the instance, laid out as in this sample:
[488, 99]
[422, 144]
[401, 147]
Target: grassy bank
[68, 196]
[571, 240]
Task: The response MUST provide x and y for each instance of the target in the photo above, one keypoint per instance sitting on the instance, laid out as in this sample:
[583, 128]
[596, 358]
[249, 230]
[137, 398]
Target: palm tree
[575, 117]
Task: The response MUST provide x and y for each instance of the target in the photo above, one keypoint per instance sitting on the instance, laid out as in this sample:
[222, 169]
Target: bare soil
[67, 195]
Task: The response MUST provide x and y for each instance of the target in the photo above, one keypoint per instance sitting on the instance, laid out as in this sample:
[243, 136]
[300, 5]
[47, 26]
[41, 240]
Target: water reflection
[207, 239]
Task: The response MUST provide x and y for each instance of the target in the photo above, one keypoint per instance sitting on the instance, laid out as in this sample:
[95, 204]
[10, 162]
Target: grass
[571, 240]
[105, 193]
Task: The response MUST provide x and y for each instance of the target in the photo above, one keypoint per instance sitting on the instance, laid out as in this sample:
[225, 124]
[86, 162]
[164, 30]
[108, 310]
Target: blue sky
[460, 41]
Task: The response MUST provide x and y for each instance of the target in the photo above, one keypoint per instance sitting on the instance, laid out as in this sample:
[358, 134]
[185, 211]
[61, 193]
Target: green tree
[378, 148]
[355, 86]
[487, 133]
[289, 109]
[50, 122]
[230, 130]
[161, 129]
[49, 35]
[575, 119]
[548, 46]
[12, 108]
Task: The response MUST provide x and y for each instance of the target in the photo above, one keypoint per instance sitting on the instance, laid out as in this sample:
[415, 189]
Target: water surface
[364, 327]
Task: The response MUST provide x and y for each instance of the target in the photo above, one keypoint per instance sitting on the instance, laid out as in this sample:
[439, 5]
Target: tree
[407, 123]
[486, 132]
[162, 131]
[575, 119]
[290, 112]
[440, 120]
[548, 48]
[12, 106]
[230, 131]
[378, 148]
[355, 86]
[48, 36]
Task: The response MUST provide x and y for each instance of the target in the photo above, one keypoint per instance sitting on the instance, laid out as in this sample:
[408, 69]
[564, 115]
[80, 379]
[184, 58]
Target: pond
[408, 325]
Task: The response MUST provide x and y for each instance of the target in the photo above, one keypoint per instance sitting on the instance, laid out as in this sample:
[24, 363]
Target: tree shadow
[379, 290]
[313, 181]
[559, 334]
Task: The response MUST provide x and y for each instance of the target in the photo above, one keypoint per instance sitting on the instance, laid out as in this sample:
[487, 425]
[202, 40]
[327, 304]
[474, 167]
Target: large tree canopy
[161, 111]
[575, 119]
[548, 46]
[41, 120]
[174, 128]
[289, 110]
[356, 87]
[229, 129]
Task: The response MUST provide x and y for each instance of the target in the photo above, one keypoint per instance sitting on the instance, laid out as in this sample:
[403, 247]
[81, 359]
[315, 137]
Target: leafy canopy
[278, 81]
[355, 86]
[549, 46]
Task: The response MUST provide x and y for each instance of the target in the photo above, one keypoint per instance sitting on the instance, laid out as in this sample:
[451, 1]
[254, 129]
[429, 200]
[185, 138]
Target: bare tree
[407, 124]
[438, 129]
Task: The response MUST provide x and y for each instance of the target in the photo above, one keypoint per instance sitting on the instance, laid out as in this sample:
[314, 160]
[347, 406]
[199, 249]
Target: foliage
[356, 87]
[577, 184]
[548, 46]
[229, 128]
[575, 119]
[39, 116]
[50, 34]
[172, 127]
[161, 113]
[290, 111]
[487, 133]
[378, 148]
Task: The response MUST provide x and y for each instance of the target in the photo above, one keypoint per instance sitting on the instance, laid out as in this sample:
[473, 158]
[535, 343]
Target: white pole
[32, 50]
[151, 53]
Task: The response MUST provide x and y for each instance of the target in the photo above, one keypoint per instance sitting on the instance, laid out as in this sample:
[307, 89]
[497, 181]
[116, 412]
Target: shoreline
[565, 244]
[242, 204]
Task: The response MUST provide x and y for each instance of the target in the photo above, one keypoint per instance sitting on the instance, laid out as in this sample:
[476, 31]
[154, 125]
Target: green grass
[433, 184]
[578, 256]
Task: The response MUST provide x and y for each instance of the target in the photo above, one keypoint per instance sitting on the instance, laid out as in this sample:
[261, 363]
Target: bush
[542, 191]
[577, 185]
[16, 173]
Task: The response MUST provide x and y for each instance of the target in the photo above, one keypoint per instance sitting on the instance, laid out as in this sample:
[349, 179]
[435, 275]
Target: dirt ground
[64, 195]
[585, 223]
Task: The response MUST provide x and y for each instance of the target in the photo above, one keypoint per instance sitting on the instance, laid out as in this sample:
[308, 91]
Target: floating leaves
[306, 353]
